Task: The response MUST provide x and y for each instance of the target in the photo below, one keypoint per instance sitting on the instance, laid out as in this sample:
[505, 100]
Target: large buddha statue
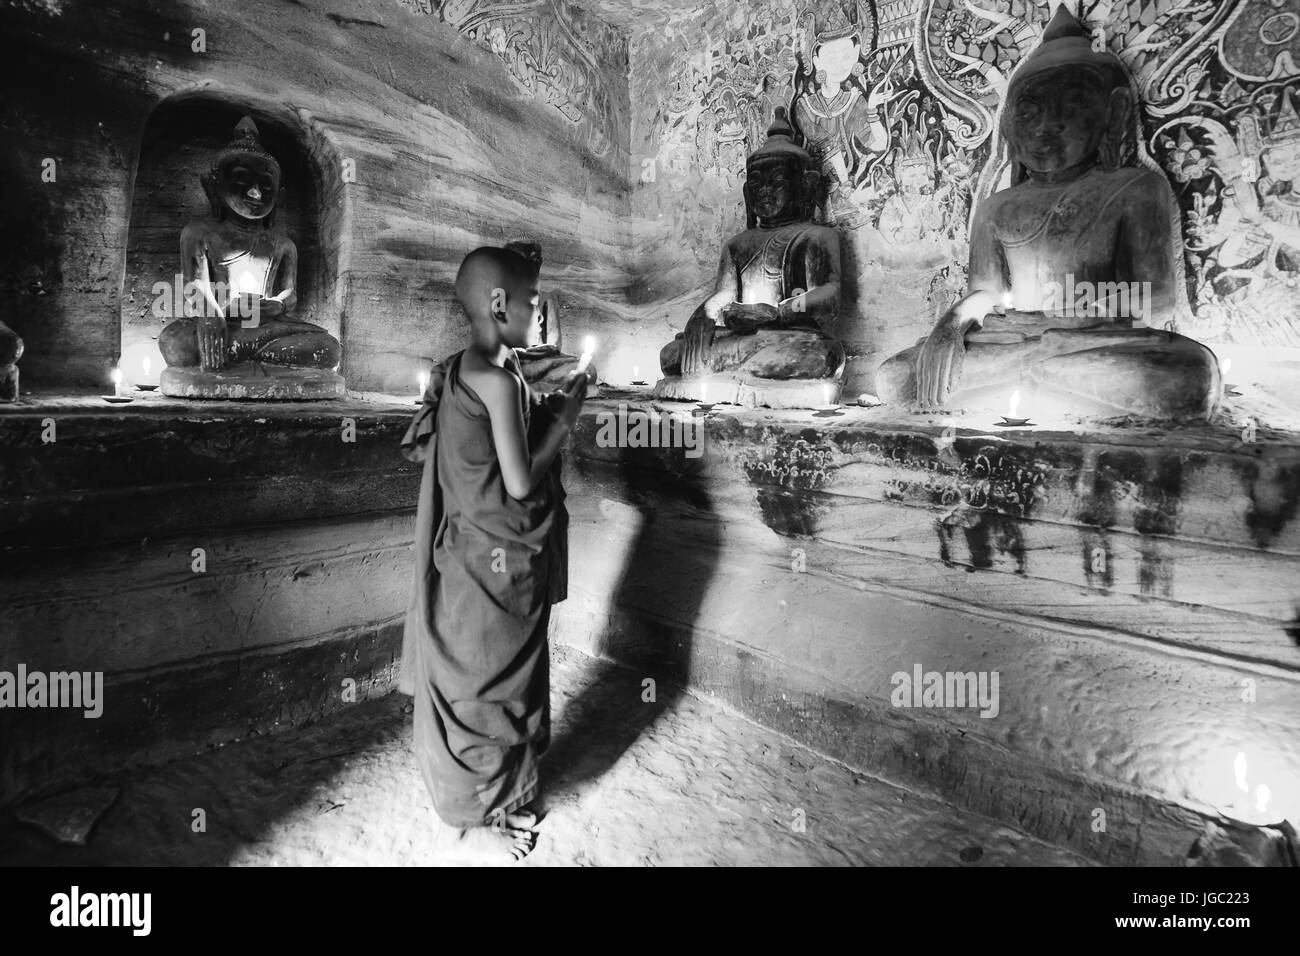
[11, 350]
[1063, 262]
[777, 288]
[238, 339]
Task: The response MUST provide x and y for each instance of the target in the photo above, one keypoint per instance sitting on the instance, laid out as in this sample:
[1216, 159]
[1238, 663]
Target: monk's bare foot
[523, 819]
[487, 844]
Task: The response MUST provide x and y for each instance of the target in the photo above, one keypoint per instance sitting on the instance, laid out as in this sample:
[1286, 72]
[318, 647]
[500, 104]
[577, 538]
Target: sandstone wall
[447, 150]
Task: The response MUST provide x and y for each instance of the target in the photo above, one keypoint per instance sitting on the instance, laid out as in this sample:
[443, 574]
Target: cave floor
[681, 781]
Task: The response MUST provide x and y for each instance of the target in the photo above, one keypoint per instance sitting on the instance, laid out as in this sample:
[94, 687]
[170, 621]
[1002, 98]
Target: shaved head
[485, 270]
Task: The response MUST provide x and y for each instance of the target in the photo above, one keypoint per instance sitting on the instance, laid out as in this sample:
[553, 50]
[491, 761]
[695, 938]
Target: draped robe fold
[487, 569]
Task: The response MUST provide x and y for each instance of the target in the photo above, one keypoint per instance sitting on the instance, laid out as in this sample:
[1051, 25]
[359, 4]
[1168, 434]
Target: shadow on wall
[656, 605]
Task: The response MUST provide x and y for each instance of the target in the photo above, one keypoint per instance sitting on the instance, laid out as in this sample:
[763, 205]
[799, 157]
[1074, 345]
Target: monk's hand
[212, 343]
[938, 364]
[696, 342]
[748, 317]
[272, 307]
[571, 397]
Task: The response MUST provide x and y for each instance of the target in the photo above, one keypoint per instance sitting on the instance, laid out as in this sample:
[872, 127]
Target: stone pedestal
[726, 389]
[254, 382]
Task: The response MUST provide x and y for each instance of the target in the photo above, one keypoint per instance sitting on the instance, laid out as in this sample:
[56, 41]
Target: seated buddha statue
[11, 350]
[777, 287]
[238, 338]
[545, 367]
[1062, 264]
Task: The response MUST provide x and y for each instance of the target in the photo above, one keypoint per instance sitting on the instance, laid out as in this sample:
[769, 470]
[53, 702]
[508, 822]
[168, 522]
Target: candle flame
[146, 365]
[1014, 404]
[589, 345]
[828, 392]
[117, 375]
[704, 391]
[636, 371]
[1227, 364]
[423, 379]
[1006, 300]
[1239, 770]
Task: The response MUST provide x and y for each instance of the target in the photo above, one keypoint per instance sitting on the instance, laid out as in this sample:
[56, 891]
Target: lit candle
[422, 379]
[146, 365]
[588, 346]
[1014, 404]
[636, 373]
[117, 380]
[1006, 302]
[704, 393]
[828, 394]
[1243, 808]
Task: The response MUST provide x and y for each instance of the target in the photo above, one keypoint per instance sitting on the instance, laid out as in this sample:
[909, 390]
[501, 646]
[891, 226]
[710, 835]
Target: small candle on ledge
[1223, 374]
[423, 378]
[117, 380]
[1245, 810]
[1013, 407]
[1004, 305]
[588, 346]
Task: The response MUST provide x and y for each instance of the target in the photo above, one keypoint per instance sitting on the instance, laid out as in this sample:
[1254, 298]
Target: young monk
[491, 551]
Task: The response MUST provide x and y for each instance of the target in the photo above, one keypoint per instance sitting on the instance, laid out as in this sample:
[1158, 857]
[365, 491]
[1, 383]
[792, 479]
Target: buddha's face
[1059, 119]
[1283, 160]
[773, 185]
[249, 185]
[913, 177]
[836, 58]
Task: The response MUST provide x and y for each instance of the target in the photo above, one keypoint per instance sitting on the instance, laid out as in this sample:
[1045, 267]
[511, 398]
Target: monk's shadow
[645, 646]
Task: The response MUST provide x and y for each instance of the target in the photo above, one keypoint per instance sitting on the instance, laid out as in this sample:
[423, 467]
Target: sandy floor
[627, 783]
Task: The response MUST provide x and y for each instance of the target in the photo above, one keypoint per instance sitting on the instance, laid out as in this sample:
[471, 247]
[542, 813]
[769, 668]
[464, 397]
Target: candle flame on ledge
[1014, 404]
[117, 375]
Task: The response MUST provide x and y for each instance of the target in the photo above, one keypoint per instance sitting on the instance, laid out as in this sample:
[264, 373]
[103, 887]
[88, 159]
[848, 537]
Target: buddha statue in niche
[238, 339]
[777, 288]
[11, 350]
[545, 367]
[1063, 262]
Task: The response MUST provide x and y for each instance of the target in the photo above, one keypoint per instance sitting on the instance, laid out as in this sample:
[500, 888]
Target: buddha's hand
[748, 317]
[272, 307]
[696, 342]
[938, 364]
[212, 343]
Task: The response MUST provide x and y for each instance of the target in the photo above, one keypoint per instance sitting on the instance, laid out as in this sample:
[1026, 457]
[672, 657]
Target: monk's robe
[488, 568]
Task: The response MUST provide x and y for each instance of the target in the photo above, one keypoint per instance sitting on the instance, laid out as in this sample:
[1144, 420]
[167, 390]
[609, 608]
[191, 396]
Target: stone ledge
[159, 467]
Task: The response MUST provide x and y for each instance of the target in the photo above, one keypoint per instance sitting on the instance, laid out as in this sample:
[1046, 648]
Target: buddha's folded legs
[274, 342]
[767, 353]
[1145, 372]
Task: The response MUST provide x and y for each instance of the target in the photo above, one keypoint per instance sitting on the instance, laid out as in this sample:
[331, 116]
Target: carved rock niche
[180, 141]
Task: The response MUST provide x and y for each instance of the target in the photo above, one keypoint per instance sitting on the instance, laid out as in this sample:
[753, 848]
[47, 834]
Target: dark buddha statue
[11, 350]
[238, 339]
[777, 288]
[1063, 262]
